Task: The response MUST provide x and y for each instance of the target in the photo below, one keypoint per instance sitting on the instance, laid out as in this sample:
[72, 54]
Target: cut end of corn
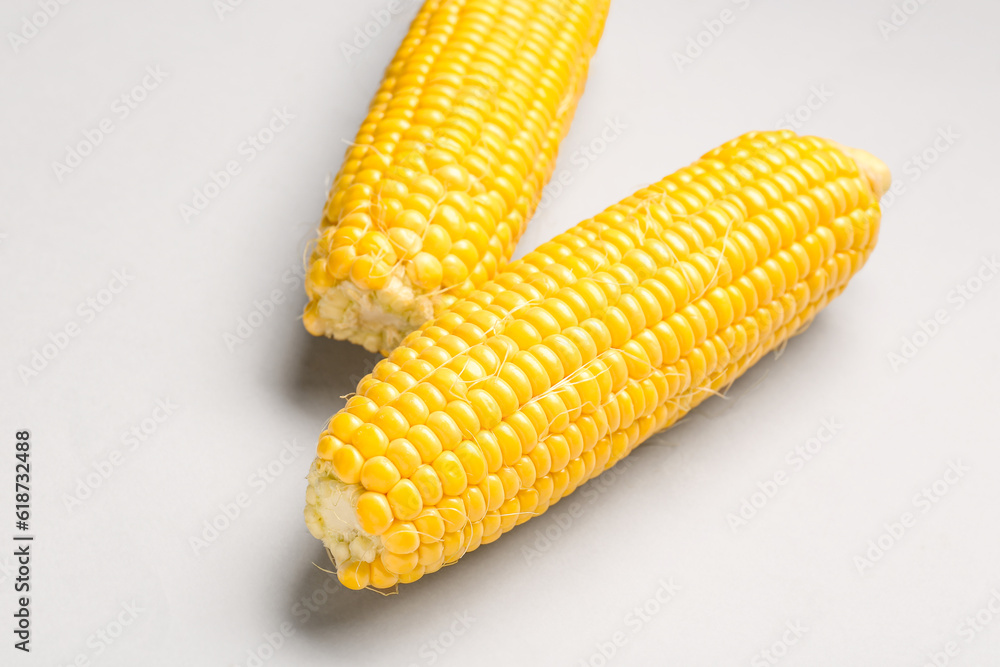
[374, 318]
[554, 371]
[449, 164]
[331, 516]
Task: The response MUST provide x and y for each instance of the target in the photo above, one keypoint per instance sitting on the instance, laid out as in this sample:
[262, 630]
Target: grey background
[553, 590]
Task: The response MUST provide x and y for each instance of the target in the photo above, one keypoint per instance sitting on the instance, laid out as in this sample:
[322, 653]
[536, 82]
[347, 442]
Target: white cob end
[332, 518]
[376, 319]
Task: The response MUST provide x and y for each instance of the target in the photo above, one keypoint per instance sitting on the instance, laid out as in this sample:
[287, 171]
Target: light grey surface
[525, 600]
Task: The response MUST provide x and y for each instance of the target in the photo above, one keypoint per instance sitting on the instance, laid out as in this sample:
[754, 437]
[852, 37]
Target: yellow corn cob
[449, 164]
[551, 373]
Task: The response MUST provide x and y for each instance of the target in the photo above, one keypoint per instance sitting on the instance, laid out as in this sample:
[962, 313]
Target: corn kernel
[374, 512]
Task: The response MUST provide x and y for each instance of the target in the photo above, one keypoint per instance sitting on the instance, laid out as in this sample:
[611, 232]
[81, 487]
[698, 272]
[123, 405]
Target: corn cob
[449, 164]
[554, 371]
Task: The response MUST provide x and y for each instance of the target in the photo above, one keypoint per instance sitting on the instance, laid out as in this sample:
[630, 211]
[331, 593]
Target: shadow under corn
[321, 371]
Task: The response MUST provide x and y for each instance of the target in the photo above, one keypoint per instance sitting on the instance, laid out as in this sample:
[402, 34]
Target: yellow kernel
[535, 413]
[374, 512]
[451, 473]
[409, 220]
[486, 407]
[517, 381]
[475, 503]
[509, 443]
[453, 270]
[376, 243]
[589, 390]
[509, 513]
[549, 361]
[559, 452]
[404, 498]
[541, 461]
[555, 414]
[347, 463]
[370, 273]
[425, 271]
[525, 470]
[444, 427]
[425, 441]
[401, 381]
[437, 241]
[453, 543]
[327, 446]
[598, 332]
[566, 350]
[523, 334]
[370, 441]
[361, 407]
[379, 474]
[426, 479]
[448, 382]
[404, 456]
[430, 552]
[399, 564]
[401, 538]
[453, 177]
[449, 219]
[354, 575]
[381, 393]
[344, 425]
[527, 500]
[618, 326]
[405, 240]
[464, 417]
[379, 577]
[452, 511]
[391, 422]
[412, 409]
[524, 428]
[430, 525]
[472, 460]
[338, 264]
